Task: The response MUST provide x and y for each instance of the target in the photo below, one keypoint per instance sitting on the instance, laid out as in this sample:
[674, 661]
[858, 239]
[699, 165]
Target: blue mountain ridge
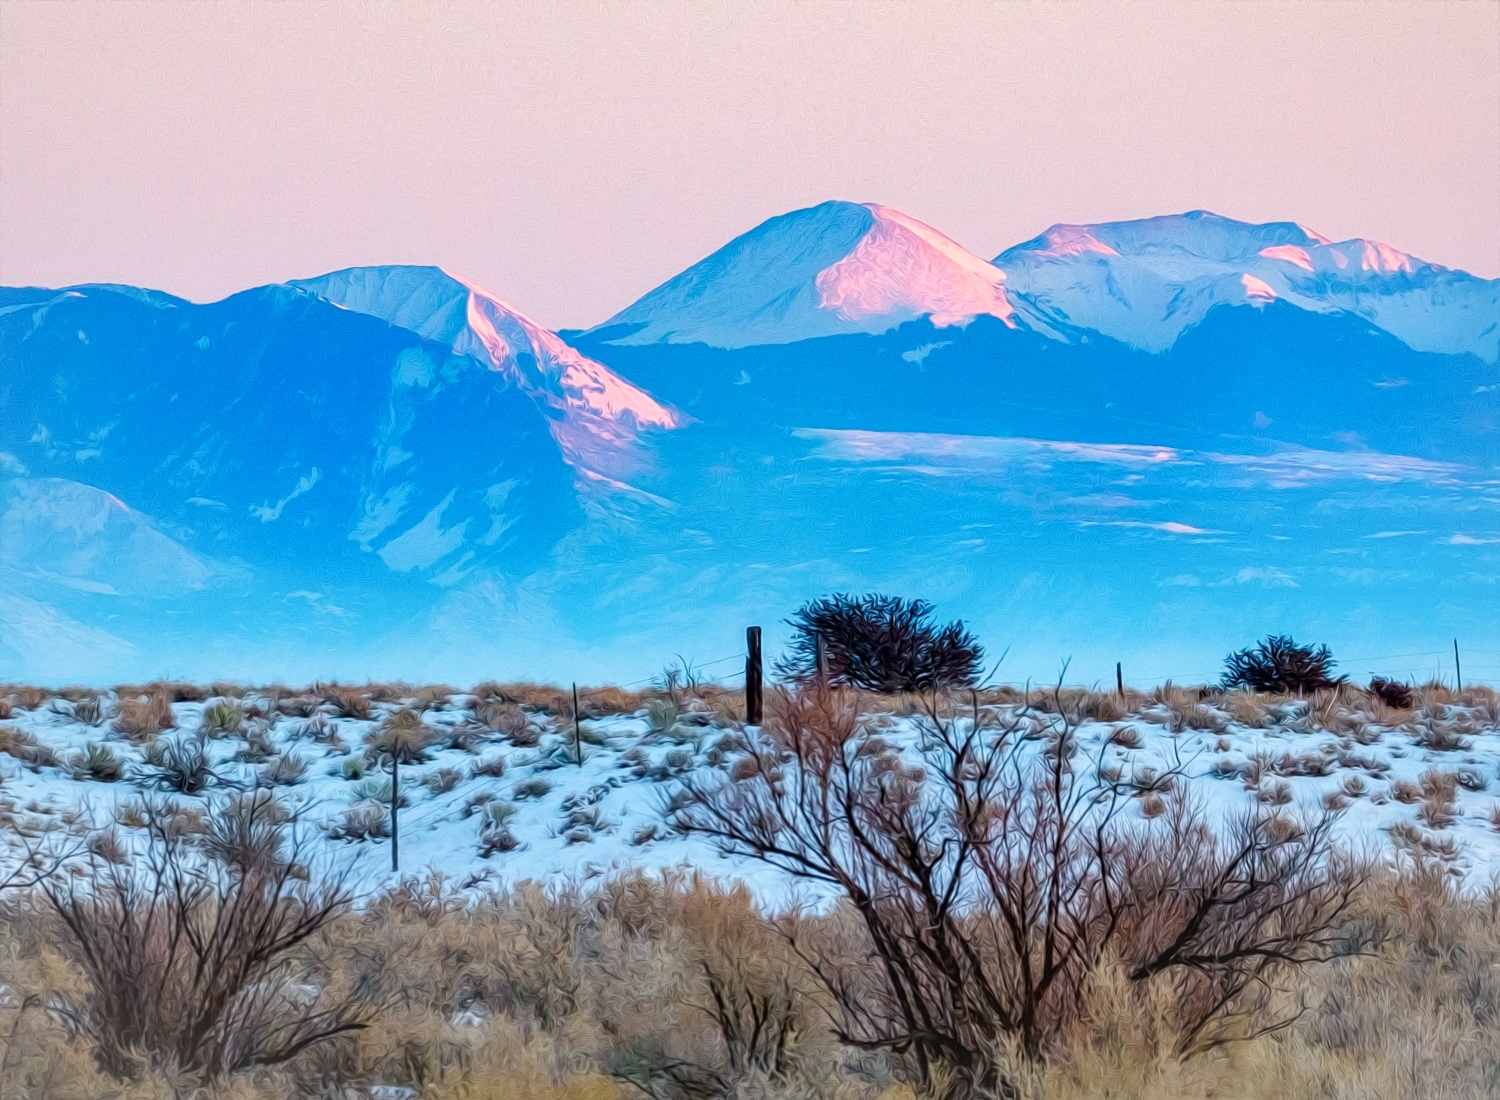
[385, 471]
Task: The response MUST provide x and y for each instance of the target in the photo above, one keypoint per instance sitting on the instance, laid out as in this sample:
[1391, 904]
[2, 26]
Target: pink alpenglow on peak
[1073, 240]
[903, 265]
[1382, 257]
[574, 380]
[1290, 253]
[1257, 290]
[602, 413]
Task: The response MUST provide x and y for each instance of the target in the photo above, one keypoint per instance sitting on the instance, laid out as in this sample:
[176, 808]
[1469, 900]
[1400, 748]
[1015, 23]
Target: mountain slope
[598, 415]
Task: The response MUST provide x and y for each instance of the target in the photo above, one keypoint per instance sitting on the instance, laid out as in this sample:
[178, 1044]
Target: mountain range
[1141, 440]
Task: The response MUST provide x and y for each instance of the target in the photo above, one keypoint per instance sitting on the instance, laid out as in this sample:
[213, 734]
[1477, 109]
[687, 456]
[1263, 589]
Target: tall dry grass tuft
[140, 713]
[24, 696]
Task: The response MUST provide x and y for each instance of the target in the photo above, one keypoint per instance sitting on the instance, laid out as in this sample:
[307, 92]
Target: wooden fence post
[1119, 682]
[1458, 669]
[395, 808]
[577, 736]
[753, 676]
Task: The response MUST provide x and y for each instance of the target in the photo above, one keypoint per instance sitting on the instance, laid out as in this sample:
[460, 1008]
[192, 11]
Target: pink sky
[572, 156]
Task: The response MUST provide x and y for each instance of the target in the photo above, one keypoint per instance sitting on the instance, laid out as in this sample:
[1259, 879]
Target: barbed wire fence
[1440, 668]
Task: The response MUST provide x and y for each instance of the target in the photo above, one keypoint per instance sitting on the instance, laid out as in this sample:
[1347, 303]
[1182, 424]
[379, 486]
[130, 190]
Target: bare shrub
[534, 787]
[179, 764]
[880, 643]
[494, 829]
[492, 766]
[365, 820]
[1395, 695]
[188, 949]
[87, 709]
[988, 873]
[505, 718]
[25, 747]
[286, 770]
[443, 780]
[142, 713]
[1278, 664]
[306, 705]
[26, 696]
[1439, 735]
[1439, 797]
[99, 763]
[403, 734]
[348, 702]
[433, 696]
[222, 716]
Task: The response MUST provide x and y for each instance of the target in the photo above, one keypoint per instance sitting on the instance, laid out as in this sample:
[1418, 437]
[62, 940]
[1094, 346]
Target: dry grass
[24, 696]
[140, 713]
[574, 994]
[24, 747]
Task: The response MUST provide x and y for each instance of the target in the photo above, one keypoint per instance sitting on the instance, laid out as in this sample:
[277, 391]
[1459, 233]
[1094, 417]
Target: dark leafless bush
[1395, 695]
[179, 764]
[1278, 664]
[880, 643]
[190, 949]
[988, 873]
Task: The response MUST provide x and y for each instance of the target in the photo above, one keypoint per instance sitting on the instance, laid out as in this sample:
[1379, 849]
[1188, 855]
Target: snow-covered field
[488, 807]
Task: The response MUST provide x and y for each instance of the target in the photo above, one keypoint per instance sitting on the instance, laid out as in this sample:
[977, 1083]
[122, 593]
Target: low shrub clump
[1278, 664]
[879, 643]
[142, 713]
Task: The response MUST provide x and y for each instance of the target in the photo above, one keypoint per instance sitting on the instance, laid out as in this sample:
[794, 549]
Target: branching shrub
[984, 874]
[1278, 664]
[181, 765]
[880, 643]
[188, 948]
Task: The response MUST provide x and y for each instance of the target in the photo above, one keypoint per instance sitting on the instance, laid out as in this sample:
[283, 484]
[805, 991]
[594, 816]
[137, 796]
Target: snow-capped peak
[839, 267]
[905, 267]
[600, 413]
[1145, 282]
